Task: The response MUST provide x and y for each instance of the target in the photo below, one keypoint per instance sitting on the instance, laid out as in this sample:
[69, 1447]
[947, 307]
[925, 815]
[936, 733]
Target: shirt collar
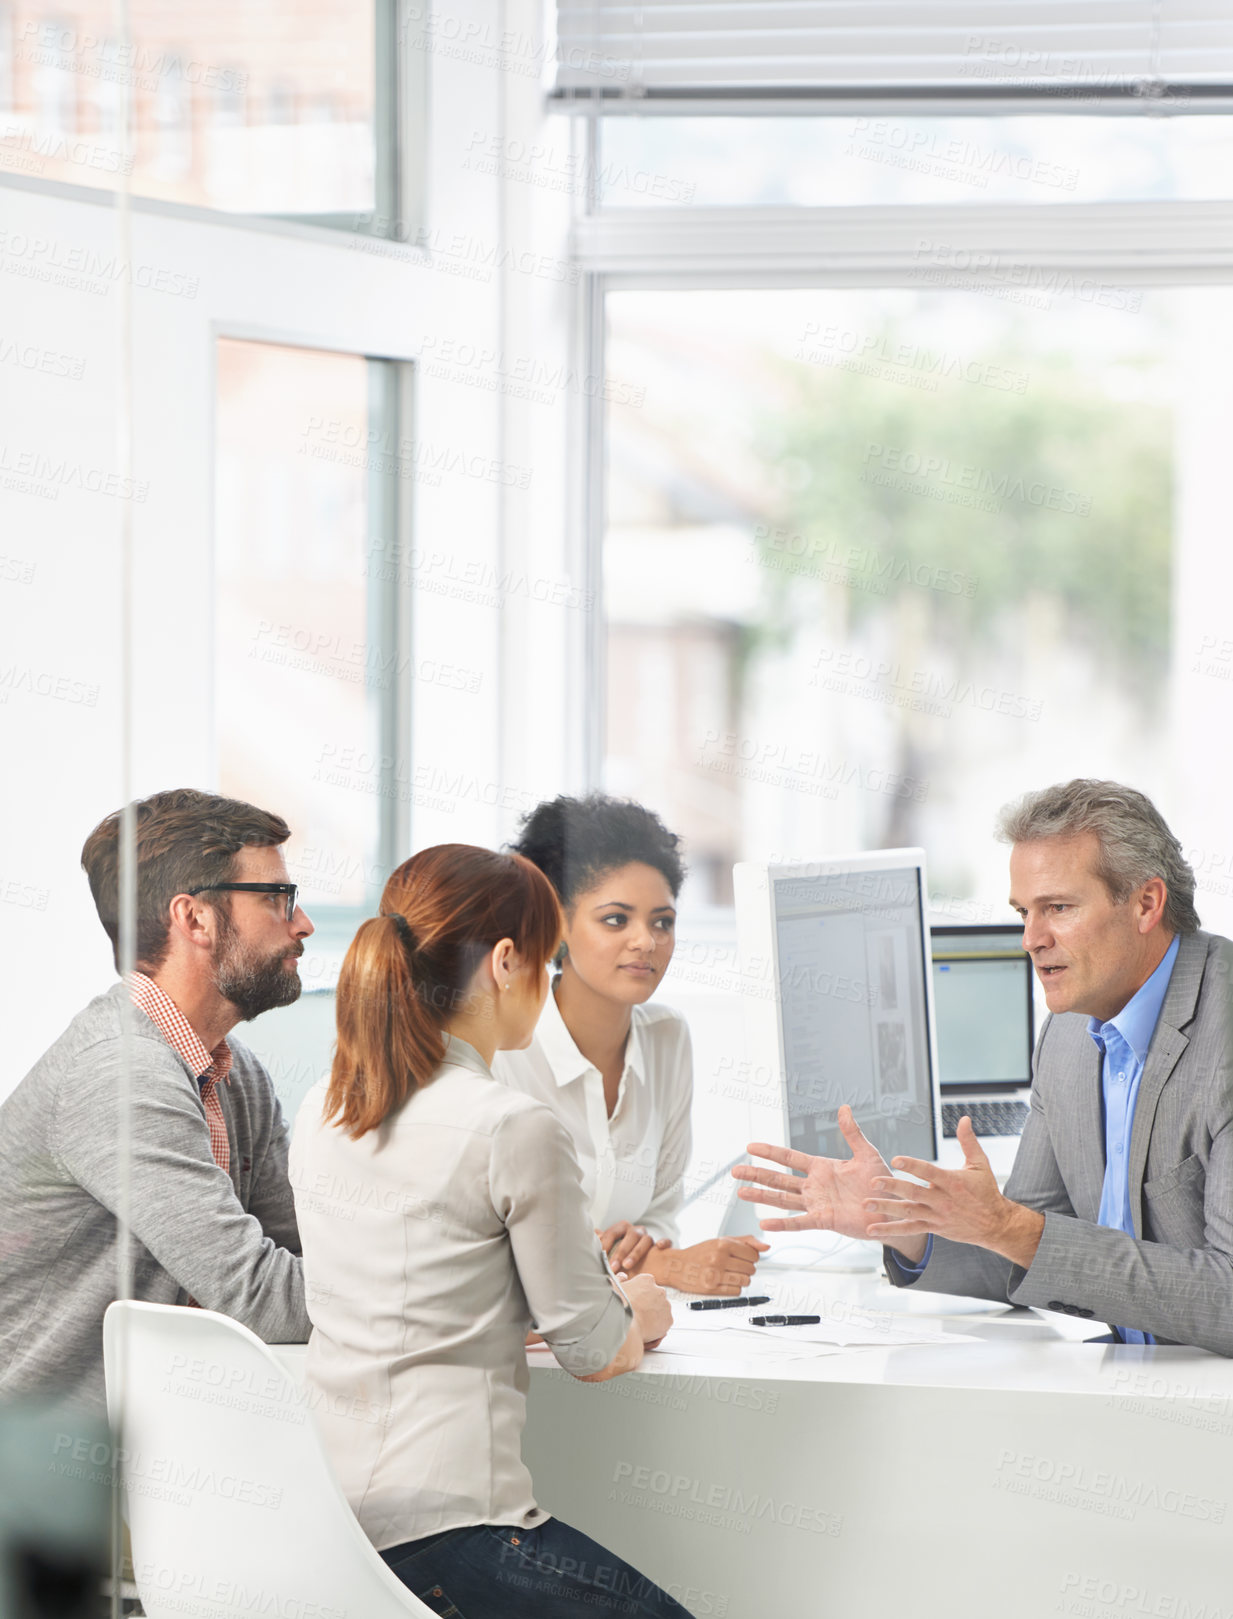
[1136, 1022]
[462, 1054]
[557, 1044]
[178, 1032]
[565, 1060]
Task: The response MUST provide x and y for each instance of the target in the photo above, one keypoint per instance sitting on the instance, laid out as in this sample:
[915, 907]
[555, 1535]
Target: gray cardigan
[228, 1240]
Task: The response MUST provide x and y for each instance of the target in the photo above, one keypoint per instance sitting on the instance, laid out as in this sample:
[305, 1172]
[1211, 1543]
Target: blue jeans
[553, 1572]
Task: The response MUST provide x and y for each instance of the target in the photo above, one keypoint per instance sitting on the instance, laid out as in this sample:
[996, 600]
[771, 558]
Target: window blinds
[684, 52]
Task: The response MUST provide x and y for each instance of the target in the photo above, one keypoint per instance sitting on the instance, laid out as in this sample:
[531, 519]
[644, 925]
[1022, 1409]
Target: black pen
[784, 1320]
[728, 1304]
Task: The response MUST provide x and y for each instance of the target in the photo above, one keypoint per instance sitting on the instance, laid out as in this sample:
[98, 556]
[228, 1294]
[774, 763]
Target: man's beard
[252, 984]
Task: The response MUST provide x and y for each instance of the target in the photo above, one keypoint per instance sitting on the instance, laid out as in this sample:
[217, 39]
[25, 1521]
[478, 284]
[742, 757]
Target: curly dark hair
[574, 841]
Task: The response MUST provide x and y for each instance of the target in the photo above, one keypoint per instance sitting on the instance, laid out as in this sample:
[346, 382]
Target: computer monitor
[835, 969]
[983, 1008]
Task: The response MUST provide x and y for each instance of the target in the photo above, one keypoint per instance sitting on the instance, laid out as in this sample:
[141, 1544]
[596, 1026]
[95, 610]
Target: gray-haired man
[1120, 1204]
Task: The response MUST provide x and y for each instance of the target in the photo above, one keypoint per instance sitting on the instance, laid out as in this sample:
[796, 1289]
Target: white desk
[1023, 1476]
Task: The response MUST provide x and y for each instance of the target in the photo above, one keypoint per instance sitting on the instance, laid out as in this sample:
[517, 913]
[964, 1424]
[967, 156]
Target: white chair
[230, 1500]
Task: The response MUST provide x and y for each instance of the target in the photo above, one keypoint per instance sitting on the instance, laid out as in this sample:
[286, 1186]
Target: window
[907, 441]
[250, 112]
[868, 158]
[312, 671]
[874, 558]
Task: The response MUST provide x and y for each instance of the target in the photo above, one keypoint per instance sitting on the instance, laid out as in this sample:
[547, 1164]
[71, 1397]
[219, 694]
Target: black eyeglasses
[290, 889]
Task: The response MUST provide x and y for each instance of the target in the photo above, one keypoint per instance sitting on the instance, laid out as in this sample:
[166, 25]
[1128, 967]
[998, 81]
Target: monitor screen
[982, 1007]
[850, 955]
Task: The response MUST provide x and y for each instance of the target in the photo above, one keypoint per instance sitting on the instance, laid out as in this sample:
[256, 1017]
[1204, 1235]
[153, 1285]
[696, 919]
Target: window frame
[875, 246]
[391, 384]
[400, 149]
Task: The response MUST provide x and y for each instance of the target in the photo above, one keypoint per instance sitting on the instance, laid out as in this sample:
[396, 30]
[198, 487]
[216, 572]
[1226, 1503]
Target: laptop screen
[982, 1001]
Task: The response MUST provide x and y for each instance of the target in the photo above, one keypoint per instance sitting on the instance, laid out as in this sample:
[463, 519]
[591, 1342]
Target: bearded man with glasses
[218, 935]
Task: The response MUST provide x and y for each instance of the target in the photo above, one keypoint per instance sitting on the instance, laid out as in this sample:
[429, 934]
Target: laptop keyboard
[988, 1118]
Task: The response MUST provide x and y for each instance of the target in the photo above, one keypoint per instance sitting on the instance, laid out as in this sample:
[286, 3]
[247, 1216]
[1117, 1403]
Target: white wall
[490, 274]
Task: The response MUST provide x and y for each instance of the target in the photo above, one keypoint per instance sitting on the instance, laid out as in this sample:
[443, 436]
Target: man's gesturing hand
[962, 1204]
[829, 1194]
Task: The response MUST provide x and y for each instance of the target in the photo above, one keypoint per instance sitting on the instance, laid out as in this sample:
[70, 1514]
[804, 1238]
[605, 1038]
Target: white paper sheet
[859, 1332]
[682, 1341]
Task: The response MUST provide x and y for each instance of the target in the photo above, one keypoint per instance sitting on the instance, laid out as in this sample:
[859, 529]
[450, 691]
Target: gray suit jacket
[1174, 1276]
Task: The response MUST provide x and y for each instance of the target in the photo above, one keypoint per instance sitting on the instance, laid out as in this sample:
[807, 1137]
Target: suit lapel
[1090, 1128]
[1168, 1043]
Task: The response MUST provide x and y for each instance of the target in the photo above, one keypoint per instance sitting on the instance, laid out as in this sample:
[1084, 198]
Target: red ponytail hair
[409, 968]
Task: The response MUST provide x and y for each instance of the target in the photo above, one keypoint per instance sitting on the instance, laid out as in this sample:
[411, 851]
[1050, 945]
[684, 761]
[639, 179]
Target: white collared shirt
[633, 1164]
[430, 1246]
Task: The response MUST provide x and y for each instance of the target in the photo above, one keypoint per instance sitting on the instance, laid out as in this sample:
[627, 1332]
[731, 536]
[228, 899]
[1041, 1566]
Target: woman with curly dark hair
[617, 1071]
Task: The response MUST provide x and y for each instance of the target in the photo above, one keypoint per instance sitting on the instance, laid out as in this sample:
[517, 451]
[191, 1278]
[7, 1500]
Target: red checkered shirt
[209, 1068]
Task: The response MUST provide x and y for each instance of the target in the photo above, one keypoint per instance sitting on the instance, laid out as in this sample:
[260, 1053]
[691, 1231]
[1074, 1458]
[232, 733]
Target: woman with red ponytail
[441, 1213]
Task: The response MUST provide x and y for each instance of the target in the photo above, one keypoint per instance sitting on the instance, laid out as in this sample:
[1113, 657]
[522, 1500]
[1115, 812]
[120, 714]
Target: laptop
[984, 1015]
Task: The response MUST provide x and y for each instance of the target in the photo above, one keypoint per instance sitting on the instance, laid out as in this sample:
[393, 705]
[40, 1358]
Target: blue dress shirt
[1122, 1043]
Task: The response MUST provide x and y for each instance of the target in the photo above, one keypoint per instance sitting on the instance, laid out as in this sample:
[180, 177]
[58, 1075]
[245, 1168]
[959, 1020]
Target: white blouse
[429, 1245]
[633, 1164]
